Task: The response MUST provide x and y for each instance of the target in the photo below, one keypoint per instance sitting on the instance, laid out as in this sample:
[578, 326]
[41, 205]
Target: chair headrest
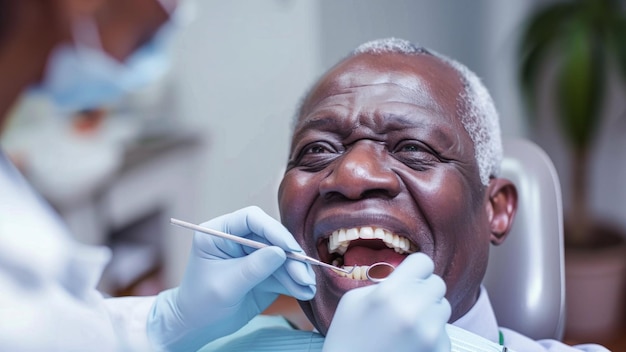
[525, 277]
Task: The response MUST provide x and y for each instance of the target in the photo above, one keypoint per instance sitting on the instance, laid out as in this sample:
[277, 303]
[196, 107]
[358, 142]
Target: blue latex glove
[406, 312]
[227, 284]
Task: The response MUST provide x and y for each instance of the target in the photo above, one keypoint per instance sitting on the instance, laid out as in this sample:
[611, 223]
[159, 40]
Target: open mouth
[360, 247]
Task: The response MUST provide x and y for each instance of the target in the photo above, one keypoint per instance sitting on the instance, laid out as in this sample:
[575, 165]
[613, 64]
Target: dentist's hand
[227, 284]
[406, 312]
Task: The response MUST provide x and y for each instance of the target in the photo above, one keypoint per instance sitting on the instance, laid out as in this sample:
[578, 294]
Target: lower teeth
[359, 272]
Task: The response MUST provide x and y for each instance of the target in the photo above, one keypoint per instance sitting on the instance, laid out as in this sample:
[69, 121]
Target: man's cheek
[297, 191]
[448, 205]
[291, 205]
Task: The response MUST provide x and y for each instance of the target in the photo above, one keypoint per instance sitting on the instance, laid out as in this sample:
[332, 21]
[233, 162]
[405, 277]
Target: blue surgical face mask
[82, 75]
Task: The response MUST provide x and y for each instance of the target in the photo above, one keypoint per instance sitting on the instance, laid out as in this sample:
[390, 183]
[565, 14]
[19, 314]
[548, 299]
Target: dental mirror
[378, 272]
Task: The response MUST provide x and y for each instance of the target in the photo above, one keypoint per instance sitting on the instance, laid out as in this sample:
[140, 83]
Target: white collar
[480, 319]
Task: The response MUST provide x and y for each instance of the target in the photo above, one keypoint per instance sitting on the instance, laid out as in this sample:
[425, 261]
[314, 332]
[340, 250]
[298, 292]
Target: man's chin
[331, 286]
[320, 319]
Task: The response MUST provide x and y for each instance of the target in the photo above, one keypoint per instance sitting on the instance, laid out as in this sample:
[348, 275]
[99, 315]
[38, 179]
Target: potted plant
[584, 41]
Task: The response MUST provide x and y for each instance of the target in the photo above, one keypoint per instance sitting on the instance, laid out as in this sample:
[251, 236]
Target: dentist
[83, 54]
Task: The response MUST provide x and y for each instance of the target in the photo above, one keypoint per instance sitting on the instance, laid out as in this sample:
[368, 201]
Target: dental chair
[525, 278]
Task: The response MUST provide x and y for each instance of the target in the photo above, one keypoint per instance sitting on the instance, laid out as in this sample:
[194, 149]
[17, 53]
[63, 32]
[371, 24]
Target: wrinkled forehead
[423, 79]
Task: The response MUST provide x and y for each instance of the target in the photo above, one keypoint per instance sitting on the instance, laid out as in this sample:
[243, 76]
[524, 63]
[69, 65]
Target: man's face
[379, 153]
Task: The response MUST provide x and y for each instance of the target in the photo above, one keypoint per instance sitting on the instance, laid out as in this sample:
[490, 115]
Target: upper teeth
[340, 239]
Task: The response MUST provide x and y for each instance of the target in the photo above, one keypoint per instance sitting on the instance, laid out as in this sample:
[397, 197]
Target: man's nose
[364, 170]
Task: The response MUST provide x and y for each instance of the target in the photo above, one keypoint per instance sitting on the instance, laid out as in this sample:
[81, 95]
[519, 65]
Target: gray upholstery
[525, 277]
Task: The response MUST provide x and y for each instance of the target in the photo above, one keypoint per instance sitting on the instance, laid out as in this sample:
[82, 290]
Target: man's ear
[501, 208]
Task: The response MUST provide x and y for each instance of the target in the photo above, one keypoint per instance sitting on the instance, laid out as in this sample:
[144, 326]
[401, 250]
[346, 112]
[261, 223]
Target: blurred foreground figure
[83, 54]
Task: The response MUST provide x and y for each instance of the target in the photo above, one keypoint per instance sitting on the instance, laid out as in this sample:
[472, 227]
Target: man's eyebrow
[387, 122]
[397, 121]
[317, 122]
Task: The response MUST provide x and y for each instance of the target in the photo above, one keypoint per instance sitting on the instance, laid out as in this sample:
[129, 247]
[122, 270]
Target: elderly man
[395, 158]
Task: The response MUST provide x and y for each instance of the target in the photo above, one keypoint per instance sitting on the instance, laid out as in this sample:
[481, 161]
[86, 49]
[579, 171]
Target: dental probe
[258, 245]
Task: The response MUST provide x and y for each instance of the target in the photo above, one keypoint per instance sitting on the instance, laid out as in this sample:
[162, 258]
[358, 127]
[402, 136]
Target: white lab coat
[48, 300]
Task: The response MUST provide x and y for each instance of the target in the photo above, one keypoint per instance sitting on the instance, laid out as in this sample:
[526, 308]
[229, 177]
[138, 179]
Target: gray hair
[477, 113]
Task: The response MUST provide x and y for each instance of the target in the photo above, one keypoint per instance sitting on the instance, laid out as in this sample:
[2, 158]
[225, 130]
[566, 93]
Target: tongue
[359, 255]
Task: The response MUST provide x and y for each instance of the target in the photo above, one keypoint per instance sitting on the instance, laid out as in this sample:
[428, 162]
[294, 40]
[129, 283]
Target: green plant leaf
[581, 83]
[538, 38]
[580, 36]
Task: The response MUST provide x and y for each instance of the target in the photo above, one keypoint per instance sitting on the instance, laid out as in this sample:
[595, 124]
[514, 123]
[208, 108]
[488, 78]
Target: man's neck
[480, 319]
[463, 303]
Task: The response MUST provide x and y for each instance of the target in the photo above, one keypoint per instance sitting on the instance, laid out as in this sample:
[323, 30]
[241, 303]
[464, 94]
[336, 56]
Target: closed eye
[410, 148]
[315, 156]
[316, 149]
[415, 154]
